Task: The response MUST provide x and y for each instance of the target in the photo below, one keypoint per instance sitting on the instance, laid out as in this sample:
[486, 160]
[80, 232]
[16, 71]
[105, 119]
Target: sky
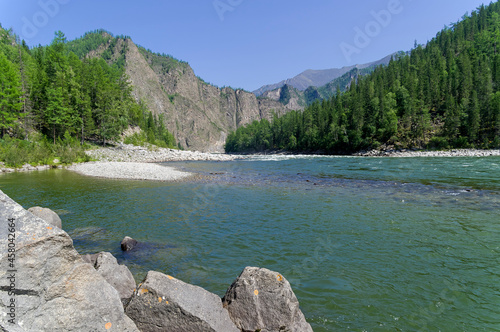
[245, 43]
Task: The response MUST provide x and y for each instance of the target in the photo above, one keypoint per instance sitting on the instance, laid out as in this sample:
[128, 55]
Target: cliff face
[199, 115]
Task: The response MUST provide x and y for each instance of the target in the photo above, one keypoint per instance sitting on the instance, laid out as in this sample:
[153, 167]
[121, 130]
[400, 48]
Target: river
[368, 244]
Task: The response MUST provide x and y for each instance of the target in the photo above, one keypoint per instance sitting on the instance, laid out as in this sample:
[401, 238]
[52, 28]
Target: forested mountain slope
[199, 114]
[48, 90]
[443, 94]
[96, 86]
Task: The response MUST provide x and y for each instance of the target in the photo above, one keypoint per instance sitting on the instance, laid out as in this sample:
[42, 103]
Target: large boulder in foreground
[118, 276]
[52, 287]
[263, 300]
[164, 303]
[46, 214]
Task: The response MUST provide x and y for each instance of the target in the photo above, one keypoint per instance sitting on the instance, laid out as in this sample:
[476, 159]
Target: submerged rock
[128, 243]
[47, 214]
[52, 287]
[164, 303]
[263, 300]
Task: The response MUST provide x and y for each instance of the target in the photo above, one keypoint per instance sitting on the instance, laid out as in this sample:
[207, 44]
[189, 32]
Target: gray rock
[55, 290]
[91, 259]
[128, 243]
[47, 214]
[263, 300]
[118, 276]
[163, 303]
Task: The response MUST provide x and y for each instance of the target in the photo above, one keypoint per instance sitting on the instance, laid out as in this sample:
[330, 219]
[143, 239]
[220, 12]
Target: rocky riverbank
[131, 153]
[130, 171]
[427, 153]
[137, 163]
[132, 162]
[47, 285]
[24, 168]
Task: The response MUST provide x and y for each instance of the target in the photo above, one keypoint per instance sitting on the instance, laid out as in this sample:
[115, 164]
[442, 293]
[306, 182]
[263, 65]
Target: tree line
[53, 91]
[445, 94]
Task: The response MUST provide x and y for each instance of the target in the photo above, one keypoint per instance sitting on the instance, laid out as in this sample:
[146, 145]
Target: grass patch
[40, 151]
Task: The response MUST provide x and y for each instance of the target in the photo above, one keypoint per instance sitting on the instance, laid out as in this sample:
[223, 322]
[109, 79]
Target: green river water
[368, 244]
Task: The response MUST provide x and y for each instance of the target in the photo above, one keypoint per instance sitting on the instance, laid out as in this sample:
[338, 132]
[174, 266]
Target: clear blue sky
[245, 43]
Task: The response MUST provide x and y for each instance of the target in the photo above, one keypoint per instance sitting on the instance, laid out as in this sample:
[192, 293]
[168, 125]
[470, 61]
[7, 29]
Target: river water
[368, 244]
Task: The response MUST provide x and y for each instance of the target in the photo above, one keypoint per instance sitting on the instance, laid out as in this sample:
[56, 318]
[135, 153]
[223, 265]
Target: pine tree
[10, 94]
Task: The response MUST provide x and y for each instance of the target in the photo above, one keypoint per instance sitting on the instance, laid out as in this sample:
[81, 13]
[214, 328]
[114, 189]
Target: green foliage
[443, 95]
[285, 94]
[91, 41]
[153, 132]
[15, 152]
[52, 90]
[10, 93]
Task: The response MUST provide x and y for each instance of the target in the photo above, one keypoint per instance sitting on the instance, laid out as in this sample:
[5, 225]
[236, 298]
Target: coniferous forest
[445, 94]
[51, 99]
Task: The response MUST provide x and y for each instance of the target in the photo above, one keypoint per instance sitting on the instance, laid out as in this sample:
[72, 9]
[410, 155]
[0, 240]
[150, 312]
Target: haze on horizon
[241, 43]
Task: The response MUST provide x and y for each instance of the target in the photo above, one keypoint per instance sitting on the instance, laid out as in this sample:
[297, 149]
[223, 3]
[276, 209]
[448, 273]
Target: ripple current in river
[375, 244]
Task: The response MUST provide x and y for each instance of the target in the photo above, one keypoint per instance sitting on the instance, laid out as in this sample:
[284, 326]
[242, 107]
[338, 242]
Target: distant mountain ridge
[318, 78]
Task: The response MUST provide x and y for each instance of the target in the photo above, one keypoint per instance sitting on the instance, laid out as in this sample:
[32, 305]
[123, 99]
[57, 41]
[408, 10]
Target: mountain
[318, 78]
[296, 99]
[198, 114]
[445, 94]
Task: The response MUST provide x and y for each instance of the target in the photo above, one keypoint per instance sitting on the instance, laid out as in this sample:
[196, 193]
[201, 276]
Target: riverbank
[137, 163]
[24, 168]
[131, 153]
[112, 161]
[129, 171]
[428, 153]
[131, 162]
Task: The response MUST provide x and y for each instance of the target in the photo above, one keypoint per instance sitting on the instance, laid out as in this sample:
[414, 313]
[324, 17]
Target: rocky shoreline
[133, 162]
[24, 168]
[429, 153]
[129, 171]
[131, 153]
[48, 286]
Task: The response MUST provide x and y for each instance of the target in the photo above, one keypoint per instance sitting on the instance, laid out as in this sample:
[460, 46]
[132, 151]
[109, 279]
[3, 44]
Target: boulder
[52, 287]
[47, 214]
[128, 243]
[263, 300]
[164, 303]
[118, 276]
[91, 259]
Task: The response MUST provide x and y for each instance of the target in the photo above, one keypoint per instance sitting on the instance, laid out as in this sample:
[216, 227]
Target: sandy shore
[130, 171]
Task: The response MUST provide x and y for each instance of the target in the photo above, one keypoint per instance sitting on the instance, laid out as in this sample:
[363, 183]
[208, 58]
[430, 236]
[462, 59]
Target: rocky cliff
[199, 114]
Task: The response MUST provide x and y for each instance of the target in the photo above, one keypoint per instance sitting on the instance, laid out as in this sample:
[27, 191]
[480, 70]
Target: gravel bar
[129, 170]
[130, 153]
